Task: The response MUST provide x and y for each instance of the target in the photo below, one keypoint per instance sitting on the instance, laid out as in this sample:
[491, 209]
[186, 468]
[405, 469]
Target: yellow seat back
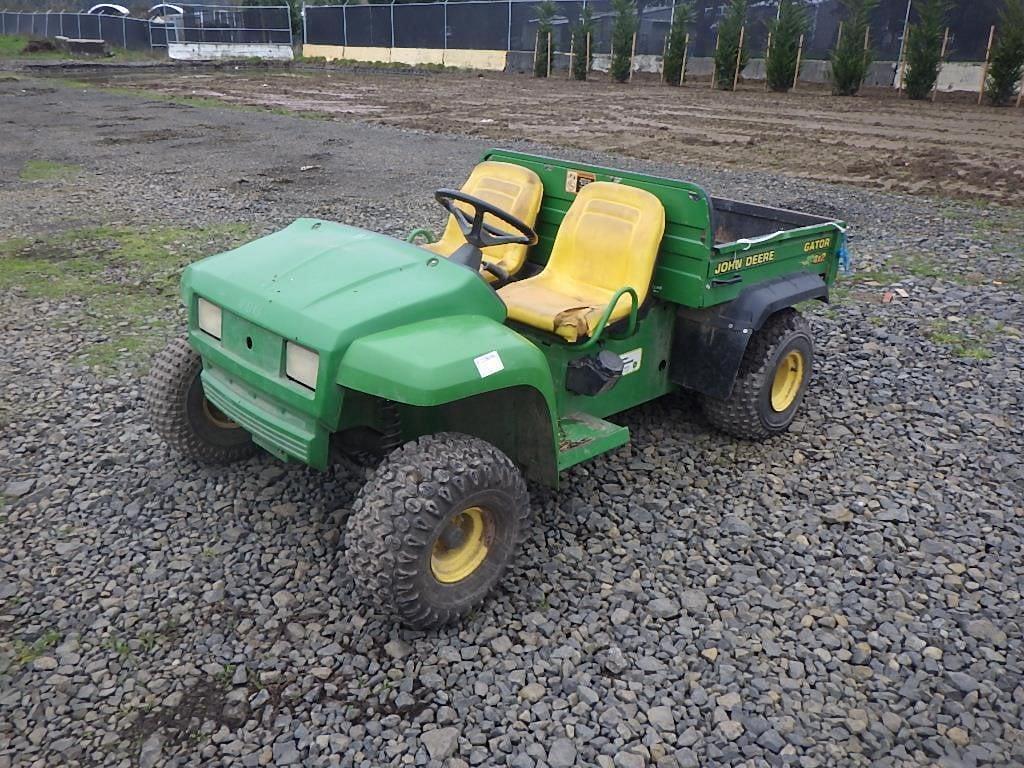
[608, 240]
[512, 188]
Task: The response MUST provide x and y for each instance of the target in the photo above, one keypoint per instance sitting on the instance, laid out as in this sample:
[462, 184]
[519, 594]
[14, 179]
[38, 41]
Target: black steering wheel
[480, 234]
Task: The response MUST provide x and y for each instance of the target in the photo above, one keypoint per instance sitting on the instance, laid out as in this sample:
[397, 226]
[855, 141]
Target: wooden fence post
[901, 59]
[739, 57]
[767, 53]
[984, 69]
[536, 50]
[686, 50]
[632, 55]
[549, 54]
[714, 64]
[799, 54]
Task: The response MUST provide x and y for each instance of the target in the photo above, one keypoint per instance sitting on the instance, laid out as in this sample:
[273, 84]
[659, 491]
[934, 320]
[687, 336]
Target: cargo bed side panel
[745, 262]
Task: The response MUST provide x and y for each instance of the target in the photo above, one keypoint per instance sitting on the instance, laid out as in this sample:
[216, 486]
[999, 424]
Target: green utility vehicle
[559, 295]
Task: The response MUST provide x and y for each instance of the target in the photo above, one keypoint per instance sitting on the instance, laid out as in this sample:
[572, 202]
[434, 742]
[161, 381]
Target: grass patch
[47, 170]
[119, 646]
[13, 46]
[969, 338]
[919, 265]
[880, 276]
[26, 653]
[225, 675]
[123, 279]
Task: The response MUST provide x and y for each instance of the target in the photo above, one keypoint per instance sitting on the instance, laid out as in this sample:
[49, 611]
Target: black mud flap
[708, 344]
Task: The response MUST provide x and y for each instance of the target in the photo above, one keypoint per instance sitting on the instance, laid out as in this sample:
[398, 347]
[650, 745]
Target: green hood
[323, 284]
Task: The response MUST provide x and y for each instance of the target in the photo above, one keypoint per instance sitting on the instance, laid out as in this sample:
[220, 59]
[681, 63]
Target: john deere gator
[558, 295]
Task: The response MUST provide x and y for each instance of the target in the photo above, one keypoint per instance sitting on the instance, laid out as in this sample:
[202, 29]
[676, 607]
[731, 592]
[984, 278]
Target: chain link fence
[511, 25]
[194, 24]
[119, 31]
[230, 24]
[501, 25]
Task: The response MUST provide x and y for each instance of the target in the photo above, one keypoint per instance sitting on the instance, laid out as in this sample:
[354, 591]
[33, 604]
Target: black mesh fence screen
[824, 27]
[325, 25]
[653, 24]
[89, 27]
[500, 25]
[158, 35]
[368, 25]
[969, 25]
[229, 24]
[601, 36]
[69, 25]
[136, 34]
[420, 26]
[755, 35]
[212, 24]
[118, 31]
[112, 28]
[478, 26]
[523, 27]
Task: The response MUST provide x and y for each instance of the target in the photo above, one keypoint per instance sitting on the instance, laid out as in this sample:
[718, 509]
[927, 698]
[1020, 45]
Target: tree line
[850, 60]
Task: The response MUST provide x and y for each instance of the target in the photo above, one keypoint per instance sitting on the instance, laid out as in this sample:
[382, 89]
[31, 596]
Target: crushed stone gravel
[847, 594]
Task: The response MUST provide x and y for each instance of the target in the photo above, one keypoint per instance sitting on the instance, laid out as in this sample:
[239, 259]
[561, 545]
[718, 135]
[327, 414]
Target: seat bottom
[572, 313]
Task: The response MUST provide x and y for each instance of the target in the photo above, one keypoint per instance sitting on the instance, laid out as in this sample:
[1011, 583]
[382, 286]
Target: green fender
[464, 373]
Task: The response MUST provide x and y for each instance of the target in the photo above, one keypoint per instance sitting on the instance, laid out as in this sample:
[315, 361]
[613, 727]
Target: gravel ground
[848, 594]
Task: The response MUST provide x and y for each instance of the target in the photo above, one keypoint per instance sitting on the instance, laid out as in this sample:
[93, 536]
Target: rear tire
[771, 382]
[180, 413]
[436, 527]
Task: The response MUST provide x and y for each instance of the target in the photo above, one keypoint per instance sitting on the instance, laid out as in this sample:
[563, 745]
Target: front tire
[771, 382]
[180, 413]
[436, 527]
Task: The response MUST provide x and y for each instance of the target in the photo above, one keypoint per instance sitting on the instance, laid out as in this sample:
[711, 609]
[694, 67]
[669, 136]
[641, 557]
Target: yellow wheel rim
[216, 416]
[788, 377]
[462, 546]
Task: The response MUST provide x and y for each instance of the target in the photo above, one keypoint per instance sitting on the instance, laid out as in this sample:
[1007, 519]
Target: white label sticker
[631, 360]
[488, 364]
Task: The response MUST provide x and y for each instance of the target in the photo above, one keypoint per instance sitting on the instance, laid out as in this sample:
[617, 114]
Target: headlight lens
[301, 364]
[209, 318]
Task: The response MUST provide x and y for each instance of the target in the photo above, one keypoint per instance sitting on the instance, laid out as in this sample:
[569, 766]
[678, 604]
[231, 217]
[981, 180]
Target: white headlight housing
[301, 364]
[209, 318]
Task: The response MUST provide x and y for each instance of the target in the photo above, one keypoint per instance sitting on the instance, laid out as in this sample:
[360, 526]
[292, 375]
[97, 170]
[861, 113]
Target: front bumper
[279, 430]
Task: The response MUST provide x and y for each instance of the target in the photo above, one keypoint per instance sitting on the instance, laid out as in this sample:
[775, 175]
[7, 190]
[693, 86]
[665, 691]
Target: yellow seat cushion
[608, 240]
[511, 188]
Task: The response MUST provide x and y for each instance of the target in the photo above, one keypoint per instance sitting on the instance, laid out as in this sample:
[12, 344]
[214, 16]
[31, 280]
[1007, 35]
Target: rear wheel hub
[789, 375]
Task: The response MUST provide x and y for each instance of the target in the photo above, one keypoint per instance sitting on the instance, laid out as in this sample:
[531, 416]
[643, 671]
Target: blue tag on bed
[845, 260]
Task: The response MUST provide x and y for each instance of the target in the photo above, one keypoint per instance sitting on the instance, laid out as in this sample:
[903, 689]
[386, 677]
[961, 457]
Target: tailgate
[748, 261]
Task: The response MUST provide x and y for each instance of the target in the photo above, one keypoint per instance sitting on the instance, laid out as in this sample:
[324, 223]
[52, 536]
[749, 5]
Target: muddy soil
[950, 148]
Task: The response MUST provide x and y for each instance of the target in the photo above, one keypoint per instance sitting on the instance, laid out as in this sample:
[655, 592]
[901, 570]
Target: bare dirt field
[949, 148]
